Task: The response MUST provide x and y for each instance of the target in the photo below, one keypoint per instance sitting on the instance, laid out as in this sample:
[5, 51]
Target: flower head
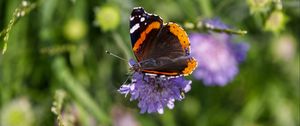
[217, 55]
[155, 92]
[107, 17]
[259, 6]
[75, 29]
[123, 117]
[284, 48]
[276, 21]
[17, 113]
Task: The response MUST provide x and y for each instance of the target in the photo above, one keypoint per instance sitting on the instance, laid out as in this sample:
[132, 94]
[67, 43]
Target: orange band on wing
[164, 73]
[191, 65]
[153, 25]
[181, 35]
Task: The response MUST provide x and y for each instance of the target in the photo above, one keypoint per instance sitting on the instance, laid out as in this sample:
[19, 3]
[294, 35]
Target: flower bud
[17, 113]
[75, 29]
[276, 21]
[257, 6]
[284, 48]
[107, 17]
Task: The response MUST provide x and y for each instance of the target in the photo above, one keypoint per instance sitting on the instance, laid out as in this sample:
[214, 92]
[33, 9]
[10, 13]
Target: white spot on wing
[142, 19]
[151, 75]
[131, 18]
[170, 77]
[137, 8]
[135, 27]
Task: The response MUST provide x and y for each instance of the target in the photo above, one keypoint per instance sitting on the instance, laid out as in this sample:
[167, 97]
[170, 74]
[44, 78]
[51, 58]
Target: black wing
[144, 28]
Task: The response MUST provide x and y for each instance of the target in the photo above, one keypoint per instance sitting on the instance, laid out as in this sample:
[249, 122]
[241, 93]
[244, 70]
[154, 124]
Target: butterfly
[160, 48]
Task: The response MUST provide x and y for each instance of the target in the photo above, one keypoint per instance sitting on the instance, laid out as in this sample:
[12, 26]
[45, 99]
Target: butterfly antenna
[116, 56]
[127, 79]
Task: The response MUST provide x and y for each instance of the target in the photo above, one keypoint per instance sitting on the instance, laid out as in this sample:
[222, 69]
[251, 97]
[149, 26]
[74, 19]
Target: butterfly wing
[167, 66]
[169, 53]
[144, 28]
[160, 49]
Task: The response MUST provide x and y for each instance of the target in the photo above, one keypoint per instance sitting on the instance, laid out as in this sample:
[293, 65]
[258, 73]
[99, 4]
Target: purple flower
[154, 93]
[217, 55]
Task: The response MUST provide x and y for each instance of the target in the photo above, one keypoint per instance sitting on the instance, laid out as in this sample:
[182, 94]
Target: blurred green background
[55, 64]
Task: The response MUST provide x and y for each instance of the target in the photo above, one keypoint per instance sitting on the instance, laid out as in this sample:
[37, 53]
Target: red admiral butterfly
[159, 48]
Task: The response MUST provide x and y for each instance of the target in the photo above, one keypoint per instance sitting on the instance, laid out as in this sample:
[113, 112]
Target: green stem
[204, 26]
[77, 91]
[224, 30]
[121, 44]
[205, 6]
[24, 8]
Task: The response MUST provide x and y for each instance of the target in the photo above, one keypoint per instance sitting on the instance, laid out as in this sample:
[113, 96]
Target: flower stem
[57, 106]
[205, 8]
[24, 8]
[77, 91]
[224, 30]
[203, 26]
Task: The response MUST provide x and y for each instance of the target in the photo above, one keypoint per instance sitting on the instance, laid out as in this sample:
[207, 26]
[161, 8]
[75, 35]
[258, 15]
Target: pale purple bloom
[154, 93]
[123, 117]
[217, 55]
